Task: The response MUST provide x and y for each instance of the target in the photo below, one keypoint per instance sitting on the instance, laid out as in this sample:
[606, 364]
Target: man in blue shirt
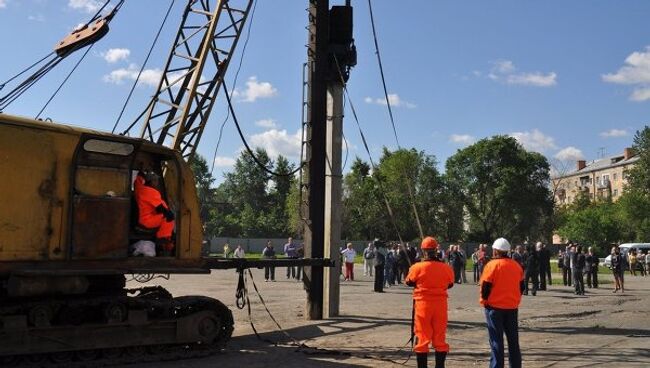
[291, 251]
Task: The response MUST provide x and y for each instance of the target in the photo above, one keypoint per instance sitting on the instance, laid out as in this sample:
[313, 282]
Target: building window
[615, 192]
[614, 177]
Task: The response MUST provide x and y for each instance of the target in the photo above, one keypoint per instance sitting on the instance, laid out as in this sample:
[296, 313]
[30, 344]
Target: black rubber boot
[440, 359]
[422, 360]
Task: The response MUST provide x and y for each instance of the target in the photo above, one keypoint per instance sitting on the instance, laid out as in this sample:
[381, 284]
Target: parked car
[625, 249]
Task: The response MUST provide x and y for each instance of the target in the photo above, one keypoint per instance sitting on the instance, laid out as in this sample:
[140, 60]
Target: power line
[234, 83]
[390, 114]
[381, 71]
[144, 64]
[365, 144]
[248, 148]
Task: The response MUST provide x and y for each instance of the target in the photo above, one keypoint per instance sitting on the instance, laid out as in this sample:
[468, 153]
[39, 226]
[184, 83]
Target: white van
[625, 249]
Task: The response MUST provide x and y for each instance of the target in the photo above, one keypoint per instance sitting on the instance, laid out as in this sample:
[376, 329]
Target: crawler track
[149, 327]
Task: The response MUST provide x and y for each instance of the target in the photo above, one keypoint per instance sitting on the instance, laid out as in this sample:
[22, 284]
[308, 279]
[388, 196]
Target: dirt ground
[557, 328]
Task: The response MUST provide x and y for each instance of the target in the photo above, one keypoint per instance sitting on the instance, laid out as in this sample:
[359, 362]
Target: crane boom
[193, 75]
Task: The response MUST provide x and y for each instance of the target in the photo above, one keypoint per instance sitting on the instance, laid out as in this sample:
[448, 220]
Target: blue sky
[565, 78]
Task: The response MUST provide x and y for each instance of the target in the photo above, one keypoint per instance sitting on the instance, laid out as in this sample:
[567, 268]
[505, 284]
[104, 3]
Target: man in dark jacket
[544, 265]
[566, 271]
[591, 269]
[456, 263]
[531, 259]
[380, 259]
[577, 267]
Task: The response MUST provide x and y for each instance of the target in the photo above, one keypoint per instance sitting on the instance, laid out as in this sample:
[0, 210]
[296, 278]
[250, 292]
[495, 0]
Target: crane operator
[431, 280]
[153, 211]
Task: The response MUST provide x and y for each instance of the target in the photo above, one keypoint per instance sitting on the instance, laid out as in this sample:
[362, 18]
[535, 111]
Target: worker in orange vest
[431, 279]
[153, 211]
[501, 286]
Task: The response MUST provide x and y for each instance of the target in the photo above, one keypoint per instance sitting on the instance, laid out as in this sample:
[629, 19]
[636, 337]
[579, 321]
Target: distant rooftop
[600, 164]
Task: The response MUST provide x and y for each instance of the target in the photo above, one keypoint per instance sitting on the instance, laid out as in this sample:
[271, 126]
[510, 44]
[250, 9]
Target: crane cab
[67, 204]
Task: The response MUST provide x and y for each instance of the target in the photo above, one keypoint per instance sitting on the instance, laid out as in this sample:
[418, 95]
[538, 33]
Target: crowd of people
[503, 274]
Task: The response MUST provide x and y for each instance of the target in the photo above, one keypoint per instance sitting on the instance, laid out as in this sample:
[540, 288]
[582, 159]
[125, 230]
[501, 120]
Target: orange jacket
[505, 275]
[148, 199]
[431, 280]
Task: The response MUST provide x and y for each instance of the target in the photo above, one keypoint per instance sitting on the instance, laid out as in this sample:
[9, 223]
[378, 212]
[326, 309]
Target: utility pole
[331, 54]
[317, 60]
[333, 196]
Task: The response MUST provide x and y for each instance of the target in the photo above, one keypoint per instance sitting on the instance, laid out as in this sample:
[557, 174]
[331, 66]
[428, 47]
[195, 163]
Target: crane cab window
[108, 147]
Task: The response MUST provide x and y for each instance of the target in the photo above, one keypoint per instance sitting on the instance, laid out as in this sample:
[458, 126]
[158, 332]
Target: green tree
[504, 188]
[632, 212]
[452, 213]
[638, 176]
[364, 213]
[203, 180]
[596, 225]
[279, 195]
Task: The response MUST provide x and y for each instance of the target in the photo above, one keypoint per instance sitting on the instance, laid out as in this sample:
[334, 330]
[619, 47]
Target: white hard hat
[501, 244]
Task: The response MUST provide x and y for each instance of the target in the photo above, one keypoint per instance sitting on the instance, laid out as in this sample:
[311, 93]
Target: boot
[422, 360]
[440, 359]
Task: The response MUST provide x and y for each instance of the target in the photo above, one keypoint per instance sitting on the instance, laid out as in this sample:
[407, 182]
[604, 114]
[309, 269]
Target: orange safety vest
[505, 275]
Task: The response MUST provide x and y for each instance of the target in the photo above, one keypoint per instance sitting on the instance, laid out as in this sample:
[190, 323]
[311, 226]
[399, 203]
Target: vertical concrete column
[333, 197]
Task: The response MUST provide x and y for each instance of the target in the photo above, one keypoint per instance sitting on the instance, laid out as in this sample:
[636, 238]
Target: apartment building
[602, 178]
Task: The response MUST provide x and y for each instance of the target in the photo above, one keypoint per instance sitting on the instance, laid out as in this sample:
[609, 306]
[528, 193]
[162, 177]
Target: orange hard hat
[429, 243]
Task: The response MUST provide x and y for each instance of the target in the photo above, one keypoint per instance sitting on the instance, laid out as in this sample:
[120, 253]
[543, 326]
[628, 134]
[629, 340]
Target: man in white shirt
[239, 252]
[348, 254]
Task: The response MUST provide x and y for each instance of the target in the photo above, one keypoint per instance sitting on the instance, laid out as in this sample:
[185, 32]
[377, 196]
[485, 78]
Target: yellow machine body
[66, 200]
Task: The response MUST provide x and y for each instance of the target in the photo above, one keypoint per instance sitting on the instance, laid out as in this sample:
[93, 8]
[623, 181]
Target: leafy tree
[204, 180]
[452, 213]
[279, 194]
[293, 211]
[638, 176]
[364, 212]
[595, 225]
[632, 212]
[504, 188]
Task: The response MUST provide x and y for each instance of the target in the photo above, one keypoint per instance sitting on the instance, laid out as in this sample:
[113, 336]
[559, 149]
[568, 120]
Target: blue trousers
[500, 322]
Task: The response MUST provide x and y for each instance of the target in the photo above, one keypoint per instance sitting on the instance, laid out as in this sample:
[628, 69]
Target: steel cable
[390, 113]
[144, 64]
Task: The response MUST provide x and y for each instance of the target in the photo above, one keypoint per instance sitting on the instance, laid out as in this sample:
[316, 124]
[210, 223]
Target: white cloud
[614, 133]
[255, 90]
[267, 123]
[504, 71]
[3, 4]
[278, 142]
[88, 6]
[640, 94]
[635, 71]
[569, 154]
[35, 18]
[462, 139]
[536, 79]
[221, 161]
[149, 77]
[534, 140]
[393, 98]
[114, 55]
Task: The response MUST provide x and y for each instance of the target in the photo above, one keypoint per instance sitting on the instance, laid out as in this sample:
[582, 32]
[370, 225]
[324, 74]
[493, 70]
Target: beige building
[602, 178]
